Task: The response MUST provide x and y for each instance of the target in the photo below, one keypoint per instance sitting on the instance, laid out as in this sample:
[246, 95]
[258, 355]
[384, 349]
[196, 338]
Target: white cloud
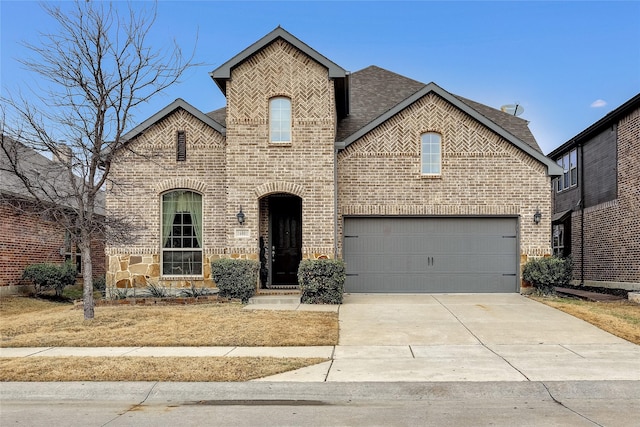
[598, 103]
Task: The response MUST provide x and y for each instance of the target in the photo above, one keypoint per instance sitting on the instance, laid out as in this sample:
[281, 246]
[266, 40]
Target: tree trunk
[87, 278]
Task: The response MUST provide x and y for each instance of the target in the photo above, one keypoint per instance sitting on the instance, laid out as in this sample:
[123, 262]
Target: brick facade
[607, 253]
[27, 238]
[483, 173]
[611, 247]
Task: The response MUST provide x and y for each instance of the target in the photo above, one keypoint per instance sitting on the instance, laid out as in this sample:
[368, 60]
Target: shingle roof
[375, 91]
[49, 178]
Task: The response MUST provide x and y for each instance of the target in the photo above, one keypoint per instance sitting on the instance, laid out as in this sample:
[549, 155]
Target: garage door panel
[431, 254]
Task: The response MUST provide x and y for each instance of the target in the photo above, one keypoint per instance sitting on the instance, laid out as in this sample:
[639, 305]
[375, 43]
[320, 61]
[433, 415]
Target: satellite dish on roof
[513, 109]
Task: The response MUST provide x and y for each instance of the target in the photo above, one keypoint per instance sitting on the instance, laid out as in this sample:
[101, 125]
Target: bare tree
[98, 68]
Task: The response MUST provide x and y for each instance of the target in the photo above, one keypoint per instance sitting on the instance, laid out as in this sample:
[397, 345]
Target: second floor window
[280, 120]
[569, 164]
[431, 153]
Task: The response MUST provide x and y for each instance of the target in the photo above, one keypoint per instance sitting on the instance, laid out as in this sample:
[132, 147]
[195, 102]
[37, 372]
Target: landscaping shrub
[194, 292]
[321, 281]
[236, 278]
[156, 291]
[47, 276]
[100, 284]
[546, 273]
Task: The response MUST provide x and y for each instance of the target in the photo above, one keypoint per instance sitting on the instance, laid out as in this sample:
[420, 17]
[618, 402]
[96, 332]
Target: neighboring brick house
[29, 234]
[596, 215]
[417, 189]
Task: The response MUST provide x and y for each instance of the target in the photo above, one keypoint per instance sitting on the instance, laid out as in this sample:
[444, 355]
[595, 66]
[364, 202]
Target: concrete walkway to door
[467, 337]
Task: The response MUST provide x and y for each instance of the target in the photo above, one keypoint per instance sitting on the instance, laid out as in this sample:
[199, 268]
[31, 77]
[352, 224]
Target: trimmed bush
[47, 276]
[236, 278]
[546, 273]
[321, 281]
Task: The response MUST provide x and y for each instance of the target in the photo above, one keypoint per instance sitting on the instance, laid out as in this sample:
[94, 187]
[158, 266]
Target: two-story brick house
[596, 215]
[417, 189]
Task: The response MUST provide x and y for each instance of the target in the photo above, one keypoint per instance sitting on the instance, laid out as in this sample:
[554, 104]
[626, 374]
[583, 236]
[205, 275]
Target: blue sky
[567, 63]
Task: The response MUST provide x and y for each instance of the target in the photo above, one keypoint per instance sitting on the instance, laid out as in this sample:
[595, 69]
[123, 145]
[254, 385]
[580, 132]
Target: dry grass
[620, 318]
[147, 368]
[31, 323]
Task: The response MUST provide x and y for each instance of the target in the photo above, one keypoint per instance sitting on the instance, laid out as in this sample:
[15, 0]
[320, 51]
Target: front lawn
[620, 318]
[29, 322]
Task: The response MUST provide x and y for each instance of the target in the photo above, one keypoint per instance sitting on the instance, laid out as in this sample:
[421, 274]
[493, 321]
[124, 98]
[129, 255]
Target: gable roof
[611, 118]
[223, 72]
[178, 103]
[378, 94]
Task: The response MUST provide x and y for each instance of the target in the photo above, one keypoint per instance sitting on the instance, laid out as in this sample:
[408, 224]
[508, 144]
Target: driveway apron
[468, 337]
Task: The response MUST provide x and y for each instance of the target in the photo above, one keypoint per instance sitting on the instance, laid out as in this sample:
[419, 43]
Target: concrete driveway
[468, 337]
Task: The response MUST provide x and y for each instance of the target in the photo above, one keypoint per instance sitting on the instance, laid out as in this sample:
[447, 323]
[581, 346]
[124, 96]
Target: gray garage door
[431, 254]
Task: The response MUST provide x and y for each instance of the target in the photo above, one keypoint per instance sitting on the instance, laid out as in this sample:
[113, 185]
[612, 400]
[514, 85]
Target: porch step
[275, 299]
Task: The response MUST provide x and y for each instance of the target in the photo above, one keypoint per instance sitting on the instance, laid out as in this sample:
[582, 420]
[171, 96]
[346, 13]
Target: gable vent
[181, 146]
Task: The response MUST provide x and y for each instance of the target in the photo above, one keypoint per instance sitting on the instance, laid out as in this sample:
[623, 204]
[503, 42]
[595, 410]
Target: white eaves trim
[178, 103]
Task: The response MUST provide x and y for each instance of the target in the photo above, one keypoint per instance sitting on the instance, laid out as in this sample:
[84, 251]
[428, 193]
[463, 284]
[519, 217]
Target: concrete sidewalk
[434, 338]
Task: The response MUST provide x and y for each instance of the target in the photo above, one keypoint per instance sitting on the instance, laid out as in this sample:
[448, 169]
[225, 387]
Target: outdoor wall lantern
[537, 216]
[240, 216]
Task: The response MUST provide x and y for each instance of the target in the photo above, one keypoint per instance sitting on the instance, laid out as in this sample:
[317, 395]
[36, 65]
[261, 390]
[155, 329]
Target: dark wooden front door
[286, 239]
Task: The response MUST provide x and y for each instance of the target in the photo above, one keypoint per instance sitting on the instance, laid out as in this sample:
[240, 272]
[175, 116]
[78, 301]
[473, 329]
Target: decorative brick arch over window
[280, 187]
[181, 182]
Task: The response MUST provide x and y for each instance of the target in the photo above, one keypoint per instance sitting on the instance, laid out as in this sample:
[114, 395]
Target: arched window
[181, 233]
[280, 120]
[431, 153]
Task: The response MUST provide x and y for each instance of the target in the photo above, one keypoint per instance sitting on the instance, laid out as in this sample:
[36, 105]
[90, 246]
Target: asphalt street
[580, 403]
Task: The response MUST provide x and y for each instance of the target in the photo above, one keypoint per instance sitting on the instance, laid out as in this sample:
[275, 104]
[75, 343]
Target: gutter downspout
[335, 203]
[581, 215]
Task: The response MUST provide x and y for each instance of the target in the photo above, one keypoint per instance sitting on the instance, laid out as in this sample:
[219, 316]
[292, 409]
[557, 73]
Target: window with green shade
[181, 233]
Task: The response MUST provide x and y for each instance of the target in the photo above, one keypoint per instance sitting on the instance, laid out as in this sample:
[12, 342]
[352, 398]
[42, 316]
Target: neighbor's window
[280, 119]
[181, 233]
[72, 255]
[181, 146]
[569, 165]
[558, 240]
[431, 153]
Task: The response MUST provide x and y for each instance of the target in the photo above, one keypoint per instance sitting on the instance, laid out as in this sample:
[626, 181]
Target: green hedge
[236, 278]
[546, 273]
[47, 276]
[321, 281]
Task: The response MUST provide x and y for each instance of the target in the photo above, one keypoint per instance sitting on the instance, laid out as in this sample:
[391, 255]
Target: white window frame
[429, 140]
[280, 120]
[569, 164]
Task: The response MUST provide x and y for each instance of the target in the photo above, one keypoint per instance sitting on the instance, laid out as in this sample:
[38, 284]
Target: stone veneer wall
[482, 174]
